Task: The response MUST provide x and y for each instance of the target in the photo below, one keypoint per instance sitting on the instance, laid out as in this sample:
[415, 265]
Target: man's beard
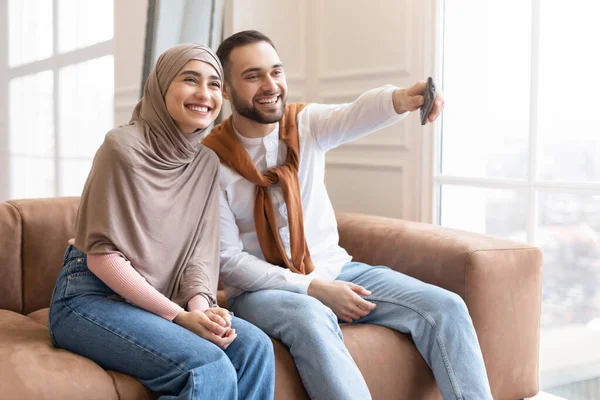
[251, 112]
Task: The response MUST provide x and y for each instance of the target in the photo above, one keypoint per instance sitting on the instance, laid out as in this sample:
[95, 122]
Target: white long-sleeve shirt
[320, 128]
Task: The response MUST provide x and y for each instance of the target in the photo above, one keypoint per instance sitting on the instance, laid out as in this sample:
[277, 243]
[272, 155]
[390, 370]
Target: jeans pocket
[80, 280]
[85, 282]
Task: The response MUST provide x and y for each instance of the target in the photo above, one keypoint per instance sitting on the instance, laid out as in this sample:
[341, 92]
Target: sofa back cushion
[47, 225]
[11, 288]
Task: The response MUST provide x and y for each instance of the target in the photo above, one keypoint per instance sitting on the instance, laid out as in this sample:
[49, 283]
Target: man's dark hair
[239, 39]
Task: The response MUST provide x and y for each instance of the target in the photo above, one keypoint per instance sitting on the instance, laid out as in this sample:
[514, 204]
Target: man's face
[256, 86]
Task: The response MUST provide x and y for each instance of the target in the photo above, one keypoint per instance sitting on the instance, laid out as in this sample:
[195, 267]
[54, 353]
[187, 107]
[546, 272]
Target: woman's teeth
[201, 109]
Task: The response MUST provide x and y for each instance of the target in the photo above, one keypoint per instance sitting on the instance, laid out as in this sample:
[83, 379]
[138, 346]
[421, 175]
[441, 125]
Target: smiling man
[281, 264]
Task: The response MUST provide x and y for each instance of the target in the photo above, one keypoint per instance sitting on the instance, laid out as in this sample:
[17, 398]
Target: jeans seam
[70, 257]
[149, 350]
[438, 339]
[277, 336]
[81, 274]
[192, 376]
[304, 380]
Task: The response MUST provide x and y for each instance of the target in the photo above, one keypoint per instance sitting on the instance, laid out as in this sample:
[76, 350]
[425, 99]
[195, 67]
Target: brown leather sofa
[499, 280]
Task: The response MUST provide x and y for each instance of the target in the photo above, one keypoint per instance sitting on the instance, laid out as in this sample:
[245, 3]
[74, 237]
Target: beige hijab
[152, 193]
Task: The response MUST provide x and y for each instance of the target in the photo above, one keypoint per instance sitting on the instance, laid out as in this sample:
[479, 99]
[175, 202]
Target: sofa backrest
[11, 285]
[33, 239]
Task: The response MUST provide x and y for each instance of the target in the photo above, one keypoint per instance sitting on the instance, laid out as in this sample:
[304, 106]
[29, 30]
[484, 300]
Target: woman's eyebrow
[198, 74]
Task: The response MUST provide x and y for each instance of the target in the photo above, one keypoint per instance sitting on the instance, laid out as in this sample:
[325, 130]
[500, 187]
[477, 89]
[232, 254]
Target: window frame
[532, 185]
[54, 63]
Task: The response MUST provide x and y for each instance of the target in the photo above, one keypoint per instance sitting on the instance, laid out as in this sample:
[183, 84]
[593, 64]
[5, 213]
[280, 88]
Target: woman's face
[194, 98]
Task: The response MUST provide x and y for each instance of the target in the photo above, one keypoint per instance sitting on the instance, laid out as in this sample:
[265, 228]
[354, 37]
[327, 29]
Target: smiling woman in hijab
[137, 290]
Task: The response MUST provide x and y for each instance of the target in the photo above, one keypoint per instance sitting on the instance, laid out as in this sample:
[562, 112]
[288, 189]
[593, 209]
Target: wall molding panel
[126, 98]
[385, 73]
[333, 51]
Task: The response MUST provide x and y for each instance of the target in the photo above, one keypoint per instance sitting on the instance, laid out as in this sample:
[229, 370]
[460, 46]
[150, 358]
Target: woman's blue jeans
[88, 318]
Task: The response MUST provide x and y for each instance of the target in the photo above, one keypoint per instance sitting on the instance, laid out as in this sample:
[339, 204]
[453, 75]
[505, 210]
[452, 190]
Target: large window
[519, 157]
[58, 70]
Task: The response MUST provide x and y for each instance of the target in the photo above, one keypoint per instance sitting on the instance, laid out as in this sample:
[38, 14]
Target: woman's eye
[188, 79]
[216, 84]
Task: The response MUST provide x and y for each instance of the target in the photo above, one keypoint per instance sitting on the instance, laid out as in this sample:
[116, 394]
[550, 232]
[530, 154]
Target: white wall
[333, 51]
[130, 34]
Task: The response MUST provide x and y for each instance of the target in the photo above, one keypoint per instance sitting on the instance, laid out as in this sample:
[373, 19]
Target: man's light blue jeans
[437, 320]
[88, 319]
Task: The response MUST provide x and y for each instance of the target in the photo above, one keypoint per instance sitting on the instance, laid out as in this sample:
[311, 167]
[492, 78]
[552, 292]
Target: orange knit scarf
[223, 141]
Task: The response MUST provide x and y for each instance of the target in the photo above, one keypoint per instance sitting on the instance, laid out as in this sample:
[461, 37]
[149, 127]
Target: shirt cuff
[300, 282]
[388, 106]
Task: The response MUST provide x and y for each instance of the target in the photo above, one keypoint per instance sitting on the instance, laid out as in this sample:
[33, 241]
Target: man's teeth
[201, 109]
[272, 100]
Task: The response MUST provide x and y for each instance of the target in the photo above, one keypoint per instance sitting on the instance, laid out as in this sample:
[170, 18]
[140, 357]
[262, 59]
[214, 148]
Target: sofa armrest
[499, 280]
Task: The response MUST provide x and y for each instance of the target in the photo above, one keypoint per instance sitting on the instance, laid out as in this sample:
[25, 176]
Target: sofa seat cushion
[129, 388]
[40, 316]
[126, 386]
[382, 355]
[32, 368]
[389, 361]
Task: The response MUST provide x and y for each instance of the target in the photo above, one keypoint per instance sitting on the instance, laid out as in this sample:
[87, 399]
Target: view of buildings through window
[519, 157]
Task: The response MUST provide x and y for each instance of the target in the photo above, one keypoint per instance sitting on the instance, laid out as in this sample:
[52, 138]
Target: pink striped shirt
[119, 275]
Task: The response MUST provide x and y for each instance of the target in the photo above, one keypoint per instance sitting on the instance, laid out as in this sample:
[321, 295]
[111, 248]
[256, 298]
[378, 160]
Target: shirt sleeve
[118, 274]
[200, 302]
[244, 271]
[332, 125]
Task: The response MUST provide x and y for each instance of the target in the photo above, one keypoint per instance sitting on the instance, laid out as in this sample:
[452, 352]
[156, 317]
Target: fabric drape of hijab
[152, 193]
[225, 143]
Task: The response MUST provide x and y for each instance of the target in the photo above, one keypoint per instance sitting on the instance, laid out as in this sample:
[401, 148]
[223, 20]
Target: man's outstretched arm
[334, 124]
